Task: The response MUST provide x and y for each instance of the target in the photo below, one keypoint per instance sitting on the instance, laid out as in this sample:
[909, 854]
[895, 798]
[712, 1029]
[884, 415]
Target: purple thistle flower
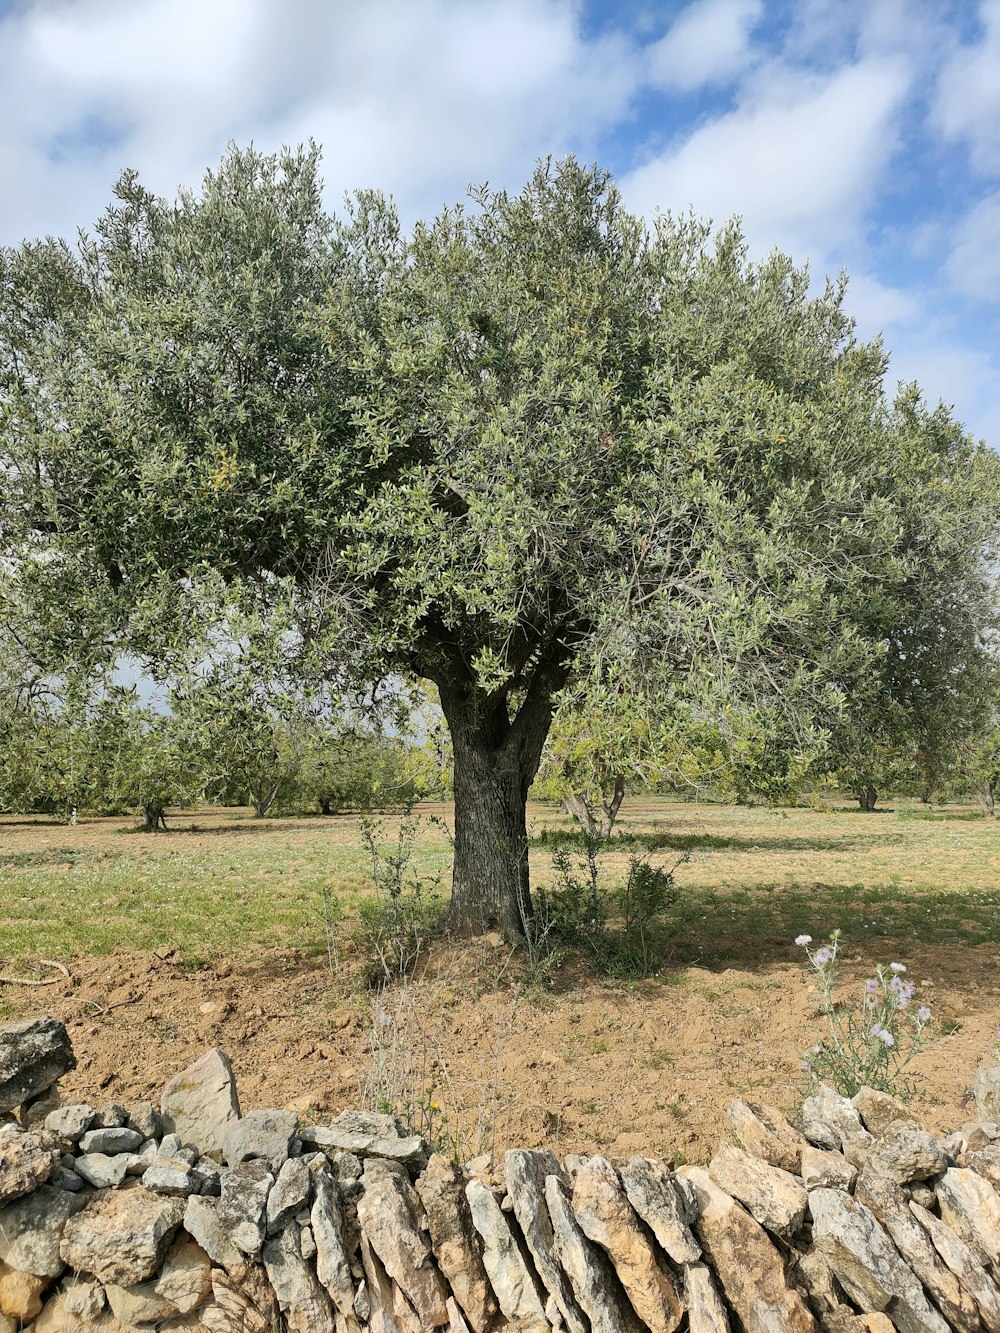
[923, 1014]
[896, 967]
[822, 957]
[803, 940]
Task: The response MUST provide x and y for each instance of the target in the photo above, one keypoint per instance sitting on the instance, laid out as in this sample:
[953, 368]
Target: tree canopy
[534, 445]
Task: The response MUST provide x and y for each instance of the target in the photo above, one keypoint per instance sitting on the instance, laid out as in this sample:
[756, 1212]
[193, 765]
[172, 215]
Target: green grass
[220, 885]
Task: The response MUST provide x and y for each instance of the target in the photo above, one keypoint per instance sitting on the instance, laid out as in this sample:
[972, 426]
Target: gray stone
[289, 1194]
[260, 1134]
[386, 1308]
[101, 1171]
[595, 1283]
[878, 1110]
[904, 1152]
[765, 1133]
[110, 1116]
[986, 1163]
[454, 1240]
[825, 1169]
[831, 1121]
[200, 1104]
[388, 1213]
[525, 1174]
[329, 1241]
[30, 1229]
[110, 1141]
[139, 1304]
[171, 1175]
[242, 1203]
[961, 1259]
[867, 1264]
[774, 1197]
[986, 1091]
[144, 1118]
[121, 1236]
[26, 1161]
[33, 1054]
[508, 1274]
[203, 1220]
[888, 1201]
[303, 1301]
[971, 1207]
[655, 1196]
[71, 1122]
[186, 1276]
[606, 1218]
[170, 1145]
[68, 1180]
[746, 1264]
[367, 1135]
[706, 1311]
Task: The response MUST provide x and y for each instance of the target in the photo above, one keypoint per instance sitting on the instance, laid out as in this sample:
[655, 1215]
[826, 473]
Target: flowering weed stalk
[870, 1042]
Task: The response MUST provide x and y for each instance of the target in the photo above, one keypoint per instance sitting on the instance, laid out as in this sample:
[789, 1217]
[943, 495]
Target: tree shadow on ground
[626, 841]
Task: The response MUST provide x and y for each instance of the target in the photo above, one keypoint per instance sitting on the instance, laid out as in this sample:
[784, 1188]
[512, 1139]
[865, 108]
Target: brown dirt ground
[588, 1067]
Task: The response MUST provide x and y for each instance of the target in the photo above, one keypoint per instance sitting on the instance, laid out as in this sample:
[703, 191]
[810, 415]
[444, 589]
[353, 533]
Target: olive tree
[531, 442]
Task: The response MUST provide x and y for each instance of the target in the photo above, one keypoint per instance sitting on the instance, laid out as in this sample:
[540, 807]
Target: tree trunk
[153, 818]
[987, 799]
[324, 806]
[261, 806]
[867, 798]
[612, 807]
[578, 806]
[496, 760]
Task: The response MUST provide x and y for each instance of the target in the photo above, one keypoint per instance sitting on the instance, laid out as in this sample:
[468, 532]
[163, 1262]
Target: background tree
[532, 442]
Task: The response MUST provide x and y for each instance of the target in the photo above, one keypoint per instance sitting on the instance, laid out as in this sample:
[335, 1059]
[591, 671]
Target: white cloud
[708, 44]
[967, 105]
[800, 159]
[974, 262]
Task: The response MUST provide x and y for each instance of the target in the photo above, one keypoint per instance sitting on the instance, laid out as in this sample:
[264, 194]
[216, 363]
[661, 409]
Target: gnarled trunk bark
[867, 798]
[496, 759]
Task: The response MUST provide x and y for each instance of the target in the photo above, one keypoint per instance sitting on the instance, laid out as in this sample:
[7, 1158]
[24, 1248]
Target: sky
[857, 135]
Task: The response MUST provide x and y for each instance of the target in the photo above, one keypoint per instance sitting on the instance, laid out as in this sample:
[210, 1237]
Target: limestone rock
[31, 1227]
[20, 1293]
[887, 1200]
[242, 1203]
[144, 1118]
[112, 1115]
[138, 1304]
[264, 1134]
[381, 1304]
[904, 1152]
[607, 1219]
[867, 1264]
[823, 1169]
[70, 1122]
[333, 1267]
[172, 1175]
[121, 1236]
[525, 1174]
[454, 1240]
[831, 1121]
[368, 1135]
[289, 1194]
[986, 1163]
[83, 1298]
[232, 1309]
[878, 1110]
[765, 1133]
[512, 1283]
[202, 1220]
[746, 1264]
[110, 1141]
[986, 1091]
[706, 1311]
[200, 1103]
[962, 1261]
[304, 1303]
[595, 1283]
[185, 1279]
[26, 1161]
[971, 1206]
[101, 1171]
[773, 1196]
[33, 1054]
[654, 1195]
[388, 1213]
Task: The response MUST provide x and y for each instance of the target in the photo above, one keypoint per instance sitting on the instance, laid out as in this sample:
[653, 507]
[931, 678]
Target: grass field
[223, 884]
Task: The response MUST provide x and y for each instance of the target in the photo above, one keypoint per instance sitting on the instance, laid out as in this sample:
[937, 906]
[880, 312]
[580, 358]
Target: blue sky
[854, 134]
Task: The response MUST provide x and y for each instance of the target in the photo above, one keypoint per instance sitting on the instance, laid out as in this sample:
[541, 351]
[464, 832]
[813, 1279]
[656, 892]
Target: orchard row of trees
[537, 451]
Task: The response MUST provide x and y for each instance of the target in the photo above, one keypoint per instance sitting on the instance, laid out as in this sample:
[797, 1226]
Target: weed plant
[870, 1042]
[405, 911]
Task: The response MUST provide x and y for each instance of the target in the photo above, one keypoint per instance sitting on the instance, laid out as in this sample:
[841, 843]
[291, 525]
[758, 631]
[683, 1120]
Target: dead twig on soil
[38, 981]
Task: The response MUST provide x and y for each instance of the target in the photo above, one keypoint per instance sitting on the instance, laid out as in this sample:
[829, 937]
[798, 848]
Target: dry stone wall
[194, 1215]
